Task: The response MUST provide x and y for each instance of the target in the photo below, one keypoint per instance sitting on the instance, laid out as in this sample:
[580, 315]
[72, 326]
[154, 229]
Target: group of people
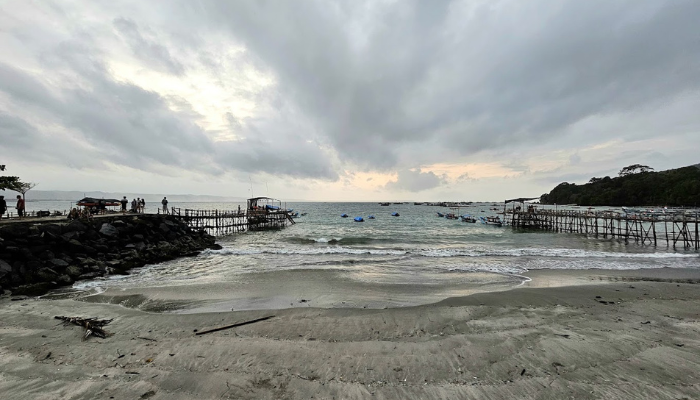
[19, 207]
[138, 205]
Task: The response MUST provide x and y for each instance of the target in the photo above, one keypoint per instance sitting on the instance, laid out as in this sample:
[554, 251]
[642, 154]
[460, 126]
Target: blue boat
[359, 219]
[468, 218]
[496, 221]
[343, 215]
[395, 214]
[370, 217]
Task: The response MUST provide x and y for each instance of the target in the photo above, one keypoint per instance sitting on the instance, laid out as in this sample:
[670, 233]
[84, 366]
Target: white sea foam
[451, 252]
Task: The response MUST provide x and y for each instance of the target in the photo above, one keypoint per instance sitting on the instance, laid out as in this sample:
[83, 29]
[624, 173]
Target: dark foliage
[675, 187]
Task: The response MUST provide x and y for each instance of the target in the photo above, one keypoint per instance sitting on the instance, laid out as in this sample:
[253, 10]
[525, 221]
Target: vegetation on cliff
[636, 185]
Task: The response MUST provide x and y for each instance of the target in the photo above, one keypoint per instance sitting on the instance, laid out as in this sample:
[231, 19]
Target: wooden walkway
[674, 230]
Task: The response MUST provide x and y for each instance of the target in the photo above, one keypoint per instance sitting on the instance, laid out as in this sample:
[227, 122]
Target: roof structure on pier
[521, 199]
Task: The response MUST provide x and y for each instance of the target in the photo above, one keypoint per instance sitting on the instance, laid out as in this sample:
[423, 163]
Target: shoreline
[540, 340]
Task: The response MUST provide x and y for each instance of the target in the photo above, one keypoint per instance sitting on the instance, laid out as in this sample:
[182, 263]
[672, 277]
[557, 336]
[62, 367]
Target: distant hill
[674, 187]
[57, 195]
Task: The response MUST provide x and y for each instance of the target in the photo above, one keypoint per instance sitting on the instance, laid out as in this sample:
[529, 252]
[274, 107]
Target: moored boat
[496, 221]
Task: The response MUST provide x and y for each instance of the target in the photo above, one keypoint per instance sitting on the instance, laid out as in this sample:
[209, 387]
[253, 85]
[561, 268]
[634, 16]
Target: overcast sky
[345, 100]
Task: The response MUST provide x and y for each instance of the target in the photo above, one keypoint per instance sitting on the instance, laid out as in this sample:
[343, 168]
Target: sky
[346, 100]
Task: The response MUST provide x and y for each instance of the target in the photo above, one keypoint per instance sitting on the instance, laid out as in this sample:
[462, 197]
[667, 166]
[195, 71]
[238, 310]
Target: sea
[410, 259]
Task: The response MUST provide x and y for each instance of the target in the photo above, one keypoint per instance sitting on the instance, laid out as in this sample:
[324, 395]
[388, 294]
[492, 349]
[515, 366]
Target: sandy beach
[591, 334]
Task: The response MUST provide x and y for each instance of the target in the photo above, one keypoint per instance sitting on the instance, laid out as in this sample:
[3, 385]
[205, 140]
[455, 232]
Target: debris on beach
[234, 325]
[93, 326]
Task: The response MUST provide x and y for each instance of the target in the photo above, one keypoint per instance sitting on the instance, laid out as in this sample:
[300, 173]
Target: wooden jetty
[261, 213]
[676, 229]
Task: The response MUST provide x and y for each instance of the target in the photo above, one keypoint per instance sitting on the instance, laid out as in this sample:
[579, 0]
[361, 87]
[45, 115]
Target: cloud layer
[315, 90]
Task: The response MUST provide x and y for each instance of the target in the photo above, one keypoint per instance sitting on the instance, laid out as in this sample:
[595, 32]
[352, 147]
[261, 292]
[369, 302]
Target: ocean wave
[450, 252]
[542, 252]
[347, 241]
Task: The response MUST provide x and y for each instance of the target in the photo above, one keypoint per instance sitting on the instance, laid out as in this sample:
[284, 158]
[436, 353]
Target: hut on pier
[264, 213]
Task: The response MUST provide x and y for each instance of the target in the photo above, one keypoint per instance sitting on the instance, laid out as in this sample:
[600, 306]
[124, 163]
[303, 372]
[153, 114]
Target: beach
[580, 334]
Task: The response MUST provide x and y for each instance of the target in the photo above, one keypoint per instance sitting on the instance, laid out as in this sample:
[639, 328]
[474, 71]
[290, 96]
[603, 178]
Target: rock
[90, 275]
[64, 279]
[5, 267]
[57, 262]
[73, 271]
[164, 228]
[46, 274]
[75, 226]
[46, 255]
[34, 289]
[108, 230]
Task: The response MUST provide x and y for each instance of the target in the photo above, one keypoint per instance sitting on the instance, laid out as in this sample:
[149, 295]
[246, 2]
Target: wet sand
[565, 334]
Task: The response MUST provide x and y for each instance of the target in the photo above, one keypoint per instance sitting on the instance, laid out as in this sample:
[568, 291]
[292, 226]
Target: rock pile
[36, 257]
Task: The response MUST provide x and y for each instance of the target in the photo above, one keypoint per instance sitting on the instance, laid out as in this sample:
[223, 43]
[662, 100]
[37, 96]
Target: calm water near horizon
[416, 249]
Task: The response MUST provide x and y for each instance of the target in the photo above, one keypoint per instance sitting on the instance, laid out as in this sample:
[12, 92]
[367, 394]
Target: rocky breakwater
[37, 257]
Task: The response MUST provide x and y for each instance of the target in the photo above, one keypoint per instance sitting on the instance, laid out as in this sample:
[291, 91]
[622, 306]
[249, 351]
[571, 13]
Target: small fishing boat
[395, 214]
[359, 219]
[441, 215]
[303, 214]
[370, 217]
[343, 215]
[384, 204]
[468, 218]
[496, 221]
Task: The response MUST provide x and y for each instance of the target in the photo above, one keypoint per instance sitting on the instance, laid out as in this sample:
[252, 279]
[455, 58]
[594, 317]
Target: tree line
[635, 185]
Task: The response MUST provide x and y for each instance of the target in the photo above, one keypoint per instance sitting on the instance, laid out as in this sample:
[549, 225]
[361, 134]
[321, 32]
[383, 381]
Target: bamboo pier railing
[221, 222]
[674, 230]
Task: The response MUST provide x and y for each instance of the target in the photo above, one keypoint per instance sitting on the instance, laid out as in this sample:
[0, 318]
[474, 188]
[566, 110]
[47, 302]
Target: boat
[343, 215]
[384, 204]
[359, 219]
[468, 218]
[98, 205]
[370, 217]
[395, 214]
[303, 214]
[93, 202]
[451, 216]
[415, 203]
[441, 215]
[496, 221]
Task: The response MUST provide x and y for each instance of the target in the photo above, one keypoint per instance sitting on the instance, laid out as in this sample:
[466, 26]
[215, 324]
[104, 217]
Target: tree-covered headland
[635, 185]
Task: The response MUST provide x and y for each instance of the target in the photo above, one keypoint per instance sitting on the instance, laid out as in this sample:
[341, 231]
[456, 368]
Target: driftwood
[234, 325]
[93, 326]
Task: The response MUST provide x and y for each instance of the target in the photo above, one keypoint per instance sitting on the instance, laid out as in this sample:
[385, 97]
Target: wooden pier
[222, 223]
[262, 213]
[673, 230]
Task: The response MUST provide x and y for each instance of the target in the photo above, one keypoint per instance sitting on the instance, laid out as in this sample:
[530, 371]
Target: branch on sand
[234, 325]
[93, 326]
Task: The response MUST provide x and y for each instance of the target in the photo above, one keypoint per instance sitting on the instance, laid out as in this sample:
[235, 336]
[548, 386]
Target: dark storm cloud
[376, 78]
[415, 181]
[384, 85]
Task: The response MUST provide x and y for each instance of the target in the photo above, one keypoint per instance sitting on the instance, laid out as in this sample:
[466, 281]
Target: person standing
[3, 206]
[125, 202]
[143, 205]
[164, 202]
[133, 206]
[20, 206]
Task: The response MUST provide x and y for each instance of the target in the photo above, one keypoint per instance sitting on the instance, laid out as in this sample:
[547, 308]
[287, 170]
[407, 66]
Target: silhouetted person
[20, 206]
[3, 206]
[125, 202]
[164, 202]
